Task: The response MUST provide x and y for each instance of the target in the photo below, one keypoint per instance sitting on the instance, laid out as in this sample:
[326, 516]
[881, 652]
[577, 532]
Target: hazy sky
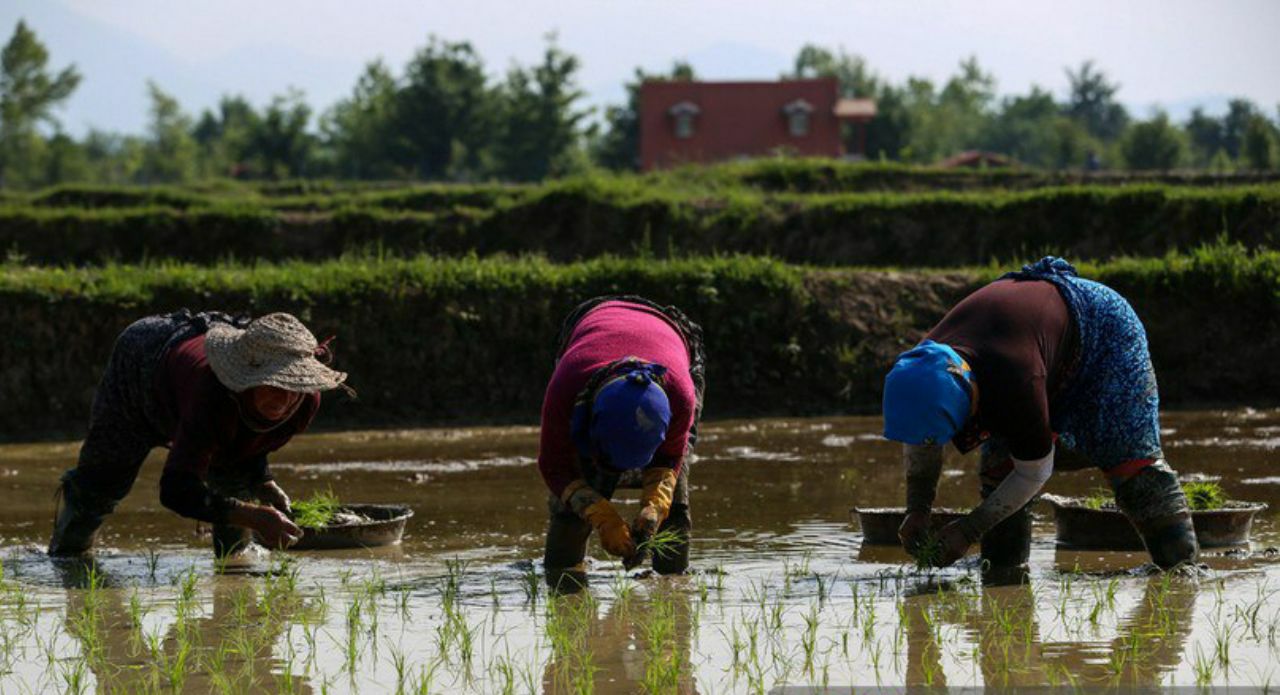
[1172, 52]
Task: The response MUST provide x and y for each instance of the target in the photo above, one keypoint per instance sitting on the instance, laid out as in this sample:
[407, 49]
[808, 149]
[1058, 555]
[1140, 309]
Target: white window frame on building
[799, 115]
[683, 115]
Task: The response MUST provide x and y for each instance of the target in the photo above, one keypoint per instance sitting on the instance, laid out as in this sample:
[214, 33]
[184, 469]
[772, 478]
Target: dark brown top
[1020, 341]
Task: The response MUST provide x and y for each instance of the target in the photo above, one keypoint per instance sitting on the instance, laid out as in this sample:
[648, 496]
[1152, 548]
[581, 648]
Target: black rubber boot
[229, 540]
[564, 559]
[1153, 500]
[675, 560]
[1008, 543]
[76, 525]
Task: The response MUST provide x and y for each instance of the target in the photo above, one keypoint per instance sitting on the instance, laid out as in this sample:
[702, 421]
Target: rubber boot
[564, 559]
[1153, 500]
[76, 525]
[229, 540]
[676, 559]
[1008, 543]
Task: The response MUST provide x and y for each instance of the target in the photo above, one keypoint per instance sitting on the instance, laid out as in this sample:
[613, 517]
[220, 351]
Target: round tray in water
[1109, 529]
[385, 526]
[880, 524]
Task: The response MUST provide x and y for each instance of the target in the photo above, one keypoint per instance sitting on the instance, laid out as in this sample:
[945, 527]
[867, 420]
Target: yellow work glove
[655, 502]
[615, 535]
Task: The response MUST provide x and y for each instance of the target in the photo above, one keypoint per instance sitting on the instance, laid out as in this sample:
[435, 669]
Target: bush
[431, 339]
[584, 218]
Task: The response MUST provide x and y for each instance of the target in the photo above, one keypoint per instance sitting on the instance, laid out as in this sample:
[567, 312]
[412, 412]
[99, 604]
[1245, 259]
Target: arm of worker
[1012, 494]
[183, 490]
[265, 485]
[923, 467]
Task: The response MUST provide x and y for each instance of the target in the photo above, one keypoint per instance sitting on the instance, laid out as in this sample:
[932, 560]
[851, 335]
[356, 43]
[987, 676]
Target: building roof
[856, 108]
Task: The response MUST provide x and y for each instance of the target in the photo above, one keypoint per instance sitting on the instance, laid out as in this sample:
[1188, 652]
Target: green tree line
[441, 117]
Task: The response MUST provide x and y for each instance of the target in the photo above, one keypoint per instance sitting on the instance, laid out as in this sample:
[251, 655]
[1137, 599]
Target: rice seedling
[928, 554]
[663, 544]
[531, 583]
[1204, 495]
[1098, 498]
[316, 511]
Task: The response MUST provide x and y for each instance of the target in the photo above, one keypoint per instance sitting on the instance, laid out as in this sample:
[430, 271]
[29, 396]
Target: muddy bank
[432, 340]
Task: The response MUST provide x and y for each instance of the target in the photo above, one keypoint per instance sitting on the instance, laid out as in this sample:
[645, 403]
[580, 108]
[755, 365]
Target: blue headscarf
[627, 418]
[926, 395]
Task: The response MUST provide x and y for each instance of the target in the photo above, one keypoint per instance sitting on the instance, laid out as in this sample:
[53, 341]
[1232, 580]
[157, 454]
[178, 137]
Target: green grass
[1204, 495]
[316, 511]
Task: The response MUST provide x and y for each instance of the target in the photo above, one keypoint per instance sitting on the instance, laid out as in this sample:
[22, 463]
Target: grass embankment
[584, 218]
[433, 339]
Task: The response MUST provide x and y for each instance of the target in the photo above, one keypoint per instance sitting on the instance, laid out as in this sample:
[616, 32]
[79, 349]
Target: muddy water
[783, 592]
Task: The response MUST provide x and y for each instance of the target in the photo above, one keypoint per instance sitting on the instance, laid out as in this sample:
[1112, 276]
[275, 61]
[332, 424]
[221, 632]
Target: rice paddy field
[783, 594]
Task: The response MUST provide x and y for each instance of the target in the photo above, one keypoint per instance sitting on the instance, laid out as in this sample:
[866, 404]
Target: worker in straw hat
[221, 394]
[1037, 361]
[621, 411]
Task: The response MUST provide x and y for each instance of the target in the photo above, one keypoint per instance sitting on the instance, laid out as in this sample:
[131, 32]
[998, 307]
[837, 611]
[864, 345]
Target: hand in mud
[271, 493]
[914, 530]
[275, 529]
[952, 544]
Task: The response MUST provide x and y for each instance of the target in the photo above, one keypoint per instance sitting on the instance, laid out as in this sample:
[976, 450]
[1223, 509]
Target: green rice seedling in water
[929, 553]
[1098, 498]
[316, 511]
[531, 584]
[1204, 495]
[663, 544]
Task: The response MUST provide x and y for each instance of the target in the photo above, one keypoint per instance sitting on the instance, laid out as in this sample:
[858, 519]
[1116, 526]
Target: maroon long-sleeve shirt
[609, 332]
[207, 431]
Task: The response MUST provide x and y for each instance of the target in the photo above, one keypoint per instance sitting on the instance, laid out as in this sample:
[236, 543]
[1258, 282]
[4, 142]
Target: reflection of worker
[221, 394]
[620, 411]
[116, 663]
[1033, 358]
[621, 654]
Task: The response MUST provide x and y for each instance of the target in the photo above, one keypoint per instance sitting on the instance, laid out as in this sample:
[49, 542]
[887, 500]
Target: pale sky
[1175, 53]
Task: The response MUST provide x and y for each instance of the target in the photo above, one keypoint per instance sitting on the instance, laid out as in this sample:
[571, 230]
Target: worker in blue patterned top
[1037, 360]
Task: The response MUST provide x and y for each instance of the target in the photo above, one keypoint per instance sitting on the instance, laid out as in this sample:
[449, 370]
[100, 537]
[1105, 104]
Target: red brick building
[683, 122]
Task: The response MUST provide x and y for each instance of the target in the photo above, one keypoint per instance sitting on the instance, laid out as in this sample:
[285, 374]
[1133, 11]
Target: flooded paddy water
[782, 592]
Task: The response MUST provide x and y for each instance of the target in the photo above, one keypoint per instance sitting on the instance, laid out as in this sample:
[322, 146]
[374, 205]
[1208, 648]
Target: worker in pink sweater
[621, 411]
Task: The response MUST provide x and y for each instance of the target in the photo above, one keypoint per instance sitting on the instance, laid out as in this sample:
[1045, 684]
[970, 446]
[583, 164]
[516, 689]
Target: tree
[1092, 102]
[1031, 129]
[360, 130]
[29, 92]
[619, 147]
[943, 122]
[1153, 144]
[224, 137]
[1206, 136]
[171, 150]
[280, 145]
[540, 125]
[1256, 147]
[444, 111]
[1239, 114]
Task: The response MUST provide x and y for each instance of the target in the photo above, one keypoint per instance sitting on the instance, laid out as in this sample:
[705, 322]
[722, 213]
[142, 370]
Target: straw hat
[273, 350]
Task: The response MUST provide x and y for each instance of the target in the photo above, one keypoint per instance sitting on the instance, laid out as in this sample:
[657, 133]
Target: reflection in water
[228, 648]
[1010, 652]
[640, 640]
[783, 592]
